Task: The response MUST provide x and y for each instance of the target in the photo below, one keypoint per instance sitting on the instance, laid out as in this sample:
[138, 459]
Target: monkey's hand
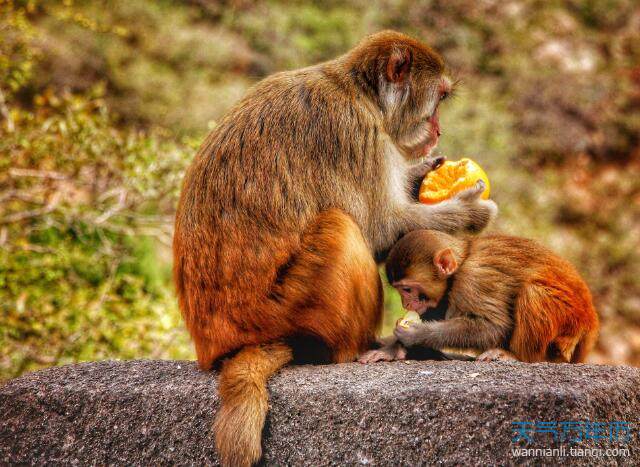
[417, 172]
[410, 334]
[426, 165]
[384, 354]
[464, 212]
[476, 213]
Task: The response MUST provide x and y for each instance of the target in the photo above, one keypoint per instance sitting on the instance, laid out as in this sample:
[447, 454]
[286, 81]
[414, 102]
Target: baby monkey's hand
[409, 333]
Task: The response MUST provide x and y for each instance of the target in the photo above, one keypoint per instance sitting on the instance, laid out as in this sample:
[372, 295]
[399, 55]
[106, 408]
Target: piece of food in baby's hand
[450, 178]
[408, 318]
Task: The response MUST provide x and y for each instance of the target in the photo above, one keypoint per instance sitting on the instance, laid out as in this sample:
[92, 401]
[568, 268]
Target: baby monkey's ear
[445, 262]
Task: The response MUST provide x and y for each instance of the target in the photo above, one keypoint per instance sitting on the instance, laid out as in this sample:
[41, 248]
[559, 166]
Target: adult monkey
[289, 200]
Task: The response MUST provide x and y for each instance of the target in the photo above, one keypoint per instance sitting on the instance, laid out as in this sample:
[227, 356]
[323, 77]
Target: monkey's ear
[398, 66]
[445, 262]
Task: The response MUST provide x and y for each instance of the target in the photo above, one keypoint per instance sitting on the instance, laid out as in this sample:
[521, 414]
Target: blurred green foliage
[84, 205]
[80, 276]
[102, 104]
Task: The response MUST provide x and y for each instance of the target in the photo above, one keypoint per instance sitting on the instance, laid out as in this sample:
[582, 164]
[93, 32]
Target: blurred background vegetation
[104, 103]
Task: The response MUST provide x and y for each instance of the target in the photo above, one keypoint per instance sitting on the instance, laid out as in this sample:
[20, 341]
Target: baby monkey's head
[419, 265]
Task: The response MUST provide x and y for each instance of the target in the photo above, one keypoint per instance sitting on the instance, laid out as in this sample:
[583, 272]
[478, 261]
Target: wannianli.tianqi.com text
[573, 431]
[572, 451]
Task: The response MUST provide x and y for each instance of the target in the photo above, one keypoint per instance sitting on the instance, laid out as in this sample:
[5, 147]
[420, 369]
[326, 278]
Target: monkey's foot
[496, 355]
[384, 354]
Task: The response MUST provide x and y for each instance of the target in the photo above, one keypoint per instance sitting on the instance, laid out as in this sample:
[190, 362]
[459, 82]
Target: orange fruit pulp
[450, 178]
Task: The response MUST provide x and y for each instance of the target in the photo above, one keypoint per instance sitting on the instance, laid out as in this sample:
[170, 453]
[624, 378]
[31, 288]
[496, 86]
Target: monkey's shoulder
[317, 86]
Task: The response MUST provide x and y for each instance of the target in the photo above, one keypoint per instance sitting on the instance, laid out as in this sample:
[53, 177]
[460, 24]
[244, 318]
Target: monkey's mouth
[433, 132]
[431, 135]
[414, 297]
[420, 305]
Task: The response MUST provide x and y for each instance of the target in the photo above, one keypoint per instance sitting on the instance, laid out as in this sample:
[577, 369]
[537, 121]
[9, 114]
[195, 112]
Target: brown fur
[285, 206]
[506, 292]
[243, 389]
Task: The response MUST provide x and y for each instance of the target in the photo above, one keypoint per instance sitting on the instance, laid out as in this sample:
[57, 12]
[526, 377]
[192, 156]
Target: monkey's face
[420, 130]
[406, 79]
[411, 104]
[421, 290]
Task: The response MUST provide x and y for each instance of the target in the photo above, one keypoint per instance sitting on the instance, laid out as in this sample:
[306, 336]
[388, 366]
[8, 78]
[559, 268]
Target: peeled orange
[408, 318]
[450, 178]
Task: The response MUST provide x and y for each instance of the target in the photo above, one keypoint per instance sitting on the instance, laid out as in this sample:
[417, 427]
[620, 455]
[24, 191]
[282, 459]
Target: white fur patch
[397, 175]
[393, 97]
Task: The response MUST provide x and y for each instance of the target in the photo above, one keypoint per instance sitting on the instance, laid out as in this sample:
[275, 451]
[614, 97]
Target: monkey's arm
[465, 211]
[417, 172]
[469, 331]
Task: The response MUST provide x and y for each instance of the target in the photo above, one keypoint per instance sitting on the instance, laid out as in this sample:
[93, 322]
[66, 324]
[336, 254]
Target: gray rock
[160, 412]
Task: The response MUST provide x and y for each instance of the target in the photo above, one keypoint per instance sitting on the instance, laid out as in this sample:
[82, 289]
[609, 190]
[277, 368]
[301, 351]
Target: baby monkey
[505, 296]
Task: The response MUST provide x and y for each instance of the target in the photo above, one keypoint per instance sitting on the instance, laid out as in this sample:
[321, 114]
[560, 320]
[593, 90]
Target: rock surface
[160, 412]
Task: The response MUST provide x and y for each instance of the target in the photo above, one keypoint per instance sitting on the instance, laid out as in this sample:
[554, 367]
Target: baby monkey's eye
[444, 95]
[406, 289]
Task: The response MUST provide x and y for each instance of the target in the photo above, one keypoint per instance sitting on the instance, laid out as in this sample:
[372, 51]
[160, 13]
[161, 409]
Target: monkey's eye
[444, 95]
[406, 289]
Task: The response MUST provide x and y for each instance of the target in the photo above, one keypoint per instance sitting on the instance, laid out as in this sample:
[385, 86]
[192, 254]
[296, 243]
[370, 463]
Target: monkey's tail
[243, 391]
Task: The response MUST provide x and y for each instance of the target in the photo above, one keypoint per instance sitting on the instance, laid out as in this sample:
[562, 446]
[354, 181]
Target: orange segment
[450, 178]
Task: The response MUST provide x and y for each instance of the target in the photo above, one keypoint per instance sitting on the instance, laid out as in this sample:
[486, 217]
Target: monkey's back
[551, 304]
[283, 154]
[524, 259]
